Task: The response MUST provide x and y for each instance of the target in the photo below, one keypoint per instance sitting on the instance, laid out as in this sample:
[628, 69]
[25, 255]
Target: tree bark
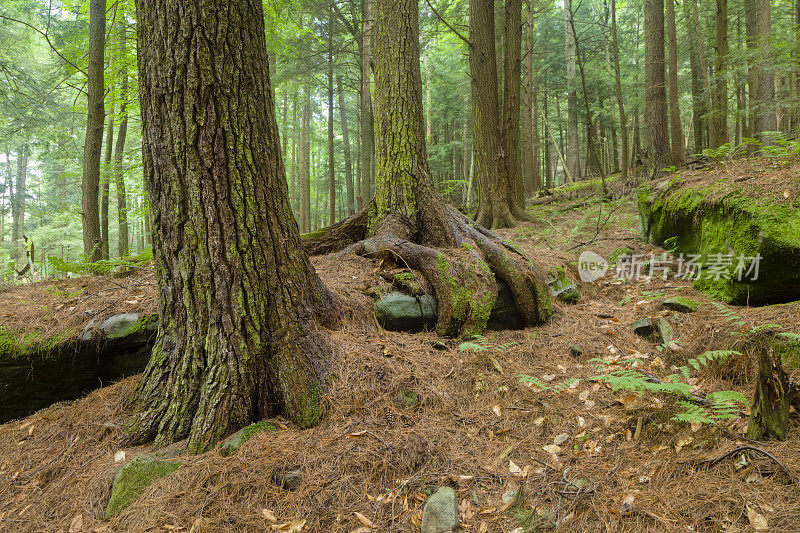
[305, 162]
[119, 149]
[531, 164]
[512, 80]
[93, 145]
[758, 25]
[573, 150]
[678, 154]
[348, 165]
[367, 131]
[105, 184]
[719, 119]
[655, 85]
[331, 158]
[238, 297]
[18, 205]
[623, 121]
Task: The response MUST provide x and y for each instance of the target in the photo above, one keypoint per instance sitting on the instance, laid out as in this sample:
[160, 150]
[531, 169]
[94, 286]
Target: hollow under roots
[461, 260]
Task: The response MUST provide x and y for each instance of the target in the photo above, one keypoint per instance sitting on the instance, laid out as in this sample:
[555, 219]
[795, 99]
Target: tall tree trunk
[531, 174]
[698, 111]
[512, 80]
[238, 296]
[498, 206]
[293, 196]
[655, 85]
[367, 132]
[331, 159]
[573, 170]
[348, 165]
[719, 119]
[305, 162]
[18, 205]
[119, 149]
[105, 184]
[761, 79]
[678, 155]
[623, 122]
[93, 145]
[699, 44]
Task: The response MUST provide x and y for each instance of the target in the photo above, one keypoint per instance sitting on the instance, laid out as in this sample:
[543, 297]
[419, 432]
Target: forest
[399, 265]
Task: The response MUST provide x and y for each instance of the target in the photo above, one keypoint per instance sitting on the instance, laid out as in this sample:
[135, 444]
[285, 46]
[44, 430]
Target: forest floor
[403, 417]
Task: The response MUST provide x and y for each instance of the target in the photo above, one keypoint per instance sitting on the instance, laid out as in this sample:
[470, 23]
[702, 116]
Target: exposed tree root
[461, 260]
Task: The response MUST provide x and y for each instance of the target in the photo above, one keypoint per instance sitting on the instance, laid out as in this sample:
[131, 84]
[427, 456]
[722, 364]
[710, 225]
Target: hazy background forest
[729, 73]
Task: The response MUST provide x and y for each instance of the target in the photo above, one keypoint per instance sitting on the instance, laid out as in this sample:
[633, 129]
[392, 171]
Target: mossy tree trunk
[769, 417]
[407, 220]
[119, 149]
[239, 299]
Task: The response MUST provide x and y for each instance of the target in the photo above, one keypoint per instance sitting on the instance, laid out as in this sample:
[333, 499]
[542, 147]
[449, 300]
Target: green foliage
[481, 343]
[100, 267]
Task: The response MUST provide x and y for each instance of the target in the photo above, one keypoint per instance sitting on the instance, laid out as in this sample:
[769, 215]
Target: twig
[460, 36]
[746, 447]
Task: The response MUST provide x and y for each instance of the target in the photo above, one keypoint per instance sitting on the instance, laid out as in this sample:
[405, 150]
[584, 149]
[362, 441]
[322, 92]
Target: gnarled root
[461, 261]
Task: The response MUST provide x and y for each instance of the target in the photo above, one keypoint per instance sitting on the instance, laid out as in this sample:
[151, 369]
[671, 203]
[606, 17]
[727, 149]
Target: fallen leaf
[786, 194]
[76, 524]
[560, 439]
[552, 449]
[581, 421]
[363, 519]
[290, 527]
[682, 441]
[269, 515]
[548, 377]
[497, 410]
[119, 456]
[627, 504]
[756, 519]
[539, 421]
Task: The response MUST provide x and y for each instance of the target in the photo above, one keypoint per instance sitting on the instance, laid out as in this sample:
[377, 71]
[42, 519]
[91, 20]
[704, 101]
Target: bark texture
[239, 299]
[678, 154]
[655, 90]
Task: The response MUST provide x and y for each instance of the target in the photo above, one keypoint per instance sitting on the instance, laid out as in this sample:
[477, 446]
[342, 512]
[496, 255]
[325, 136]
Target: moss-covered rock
[235, 441]
[680, 304]
[131, 480]
[707, 220]
[561, 287]
[400, 312]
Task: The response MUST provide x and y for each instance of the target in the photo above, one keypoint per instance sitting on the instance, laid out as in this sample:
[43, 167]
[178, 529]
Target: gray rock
[576, 350]
[131, 480]
[292, 480]
[665, 330]
[400, 312]
[441, 512]
[681, 304]
[644, 327]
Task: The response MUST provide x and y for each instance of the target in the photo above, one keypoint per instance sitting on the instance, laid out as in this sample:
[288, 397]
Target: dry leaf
[539, 421]
[548, 377]
[682, 441]
[552, 449]
[119, 456]
[363, 519]
[290, 527]
[269, 515]
[76, 524]
[627, 504]
[560, 439]
[358, 433]
[786, 194]
[497, 410]
[756, 519]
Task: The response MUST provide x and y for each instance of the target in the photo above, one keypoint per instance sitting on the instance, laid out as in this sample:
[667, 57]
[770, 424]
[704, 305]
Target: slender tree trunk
[623, 122]
[531, 173]
[119, 150]
[93, 145]
[331, 159]
[238, 296]
[348, 165]
[678, 154]
[509, 125]
[293, 196]
[105, 184]
[697, 35]
[18, 205]
[655, 85]
[367, 133]
[761, 79]
[573, 150]
[697, 88]
[720, 97]
[305, 162]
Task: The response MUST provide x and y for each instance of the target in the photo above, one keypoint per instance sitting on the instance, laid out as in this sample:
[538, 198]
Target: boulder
[644, 327]
[718, 224]
[681, 304]
[400, 312]
[561, 287]
[441, 512]
[131, 480]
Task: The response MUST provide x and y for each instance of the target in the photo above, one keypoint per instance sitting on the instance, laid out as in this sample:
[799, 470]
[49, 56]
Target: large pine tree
[238, 297]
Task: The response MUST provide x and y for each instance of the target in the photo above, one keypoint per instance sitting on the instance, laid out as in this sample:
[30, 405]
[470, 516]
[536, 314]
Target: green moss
[234, 442]
[131, 480]
[468, 307]
[681, 303]
[310, 409]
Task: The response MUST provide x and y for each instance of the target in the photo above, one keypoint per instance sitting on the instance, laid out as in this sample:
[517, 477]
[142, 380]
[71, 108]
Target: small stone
[441, 512]
[576, 350]
[643, 327]
[439, 345]
[292, 480]
[665, 330]
[681, 304]
[131, 480]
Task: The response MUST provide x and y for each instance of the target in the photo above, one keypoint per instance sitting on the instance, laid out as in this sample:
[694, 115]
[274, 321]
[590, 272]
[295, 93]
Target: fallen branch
[746, 447]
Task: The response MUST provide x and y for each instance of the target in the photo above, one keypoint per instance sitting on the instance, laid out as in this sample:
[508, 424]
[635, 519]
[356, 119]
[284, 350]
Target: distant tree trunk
[697, 87]
[761, 79]
[623, 123]
[239, 342]
[93, 145]
[719, 121]
[498, 206]
[655, 85]
[18, 204]
[549, 172]
[305, 162]
[367, 132]
[512, 68]
[348, 165]
[293, 197]
[105, 184]
[697, 35]
[119, 150]
[531, 172]
[678, 155]
[331, 159]
[573, 170]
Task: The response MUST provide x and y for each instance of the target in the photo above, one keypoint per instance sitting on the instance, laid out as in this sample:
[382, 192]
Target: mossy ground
[131, 480]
